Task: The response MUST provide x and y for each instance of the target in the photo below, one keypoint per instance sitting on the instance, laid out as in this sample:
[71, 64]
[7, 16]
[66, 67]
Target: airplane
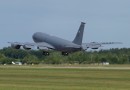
[47, 42]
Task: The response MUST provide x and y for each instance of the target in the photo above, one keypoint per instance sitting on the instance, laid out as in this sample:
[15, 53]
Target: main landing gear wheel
[65, 53]
[46, 53]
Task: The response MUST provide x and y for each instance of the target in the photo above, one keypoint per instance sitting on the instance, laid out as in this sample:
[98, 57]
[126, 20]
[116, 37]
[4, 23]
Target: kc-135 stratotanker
[47, 42]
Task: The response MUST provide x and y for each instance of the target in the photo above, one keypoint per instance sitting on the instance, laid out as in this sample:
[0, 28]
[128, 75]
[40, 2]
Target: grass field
[51, 78]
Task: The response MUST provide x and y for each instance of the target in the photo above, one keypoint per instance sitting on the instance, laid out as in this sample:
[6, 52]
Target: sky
[106, 20]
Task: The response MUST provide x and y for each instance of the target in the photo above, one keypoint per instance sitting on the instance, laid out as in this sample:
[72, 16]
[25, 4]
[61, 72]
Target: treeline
[113, 56]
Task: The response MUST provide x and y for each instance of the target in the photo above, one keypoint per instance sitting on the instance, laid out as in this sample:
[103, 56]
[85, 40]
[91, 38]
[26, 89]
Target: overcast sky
[106, 20]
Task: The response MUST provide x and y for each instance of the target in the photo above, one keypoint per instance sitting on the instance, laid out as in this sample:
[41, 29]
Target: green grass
[40, 78]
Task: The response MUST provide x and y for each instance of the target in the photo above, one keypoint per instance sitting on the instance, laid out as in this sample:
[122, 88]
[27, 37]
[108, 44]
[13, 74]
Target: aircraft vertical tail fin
[79, 37]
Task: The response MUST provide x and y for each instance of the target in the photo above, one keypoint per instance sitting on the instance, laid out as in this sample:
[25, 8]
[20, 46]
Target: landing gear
[65, 53]
[46, 53]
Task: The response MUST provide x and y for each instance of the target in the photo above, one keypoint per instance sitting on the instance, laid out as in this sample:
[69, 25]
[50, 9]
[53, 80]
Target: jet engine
[43, 48]
[27, 47]
[16, 46]
[96, 46]
[92, 45]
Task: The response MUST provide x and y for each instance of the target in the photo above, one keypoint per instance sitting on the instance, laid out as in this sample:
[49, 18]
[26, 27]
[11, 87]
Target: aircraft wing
[104, 43]
[22, 44]
[96, 45]
[70, 46]
[27, 45]
[43, 45]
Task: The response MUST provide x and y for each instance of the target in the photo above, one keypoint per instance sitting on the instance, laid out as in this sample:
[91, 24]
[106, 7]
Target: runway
[116, 67]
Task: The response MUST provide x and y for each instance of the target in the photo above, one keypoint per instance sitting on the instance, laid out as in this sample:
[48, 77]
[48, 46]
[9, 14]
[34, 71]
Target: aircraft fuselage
[58, 43]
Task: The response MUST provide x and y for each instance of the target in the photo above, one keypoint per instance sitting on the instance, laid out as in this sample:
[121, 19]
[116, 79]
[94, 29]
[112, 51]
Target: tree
[54, 58]
[30, 59]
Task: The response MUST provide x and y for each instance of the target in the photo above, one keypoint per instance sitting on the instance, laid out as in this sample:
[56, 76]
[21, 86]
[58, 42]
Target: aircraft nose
[35, 37]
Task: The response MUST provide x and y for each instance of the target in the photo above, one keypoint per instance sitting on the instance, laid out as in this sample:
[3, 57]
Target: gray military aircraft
[47, 42]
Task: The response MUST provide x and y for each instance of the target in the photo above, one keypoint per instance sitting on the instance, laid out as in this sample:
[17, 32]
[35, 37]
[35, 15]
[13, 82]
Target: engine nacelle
[16, 46]
[27, 47]
[43, 48]
[95, 46]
